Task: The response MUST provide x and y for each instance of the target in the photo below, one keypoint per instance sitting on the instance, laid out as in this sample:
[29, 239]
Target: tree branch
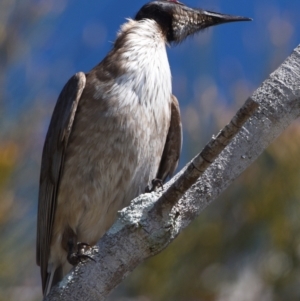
[146, 227]
[207, 156]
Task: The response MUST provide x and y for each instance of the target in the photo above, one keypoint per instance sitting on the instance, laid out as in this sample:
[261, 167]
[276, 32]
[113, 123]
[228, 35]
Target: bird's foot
[155, 184]
[83, 253]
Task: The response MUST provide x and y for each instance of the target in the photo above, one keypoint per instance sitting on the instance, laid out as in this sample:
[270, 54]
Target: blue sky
[72, 37]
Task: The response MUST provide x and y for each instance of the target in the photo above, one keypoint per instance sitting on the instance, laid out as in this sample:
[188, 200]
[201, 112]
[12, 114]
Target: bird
[113, 130]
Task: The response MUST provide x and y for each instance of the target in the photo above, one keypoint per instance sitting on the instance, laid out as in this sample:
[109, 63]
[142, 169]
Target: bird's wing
[52, 164]
[172, 150]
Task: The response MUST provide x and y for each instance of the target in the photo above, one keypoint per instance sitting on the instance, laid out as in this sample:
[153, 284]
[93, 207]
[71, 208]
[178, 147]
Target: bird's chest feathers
[143, 74]
[147, 77]
[142, 88]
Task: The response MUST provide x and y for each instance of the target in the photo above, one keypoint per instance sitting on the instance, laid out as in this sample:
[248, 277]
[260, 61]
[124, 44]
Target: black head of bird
[178, 21]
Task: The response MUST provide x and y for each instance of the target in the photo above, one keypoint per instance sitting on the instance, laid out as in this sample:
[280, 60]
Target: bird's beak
[187, 21]
[211, 18]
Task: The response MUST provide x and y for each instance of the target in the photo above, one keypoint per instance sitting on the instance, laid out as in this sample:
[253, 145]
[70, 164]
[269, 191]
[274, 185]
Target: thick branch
[207, 156]
[141, 232]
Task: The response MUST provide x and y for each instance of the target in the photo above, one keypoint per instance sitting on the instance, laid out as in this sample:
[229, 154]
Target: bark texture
[146, 227]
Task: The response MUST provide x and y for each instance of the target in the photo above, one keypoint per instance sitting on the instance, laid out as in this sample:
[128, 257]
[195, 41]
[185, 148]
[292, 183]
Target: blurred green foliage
[8, 161]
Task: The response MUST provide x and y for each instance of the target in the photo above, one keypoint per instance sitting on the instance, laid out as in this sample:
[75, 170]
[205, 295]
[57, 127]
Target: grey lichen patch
[159, 239]
[175, 225]
[135, 213]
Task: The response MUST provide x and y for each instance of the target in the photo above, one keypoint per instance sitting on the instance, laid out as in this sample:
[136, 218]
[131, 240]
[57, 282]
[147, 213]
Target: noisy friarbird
[113, 130]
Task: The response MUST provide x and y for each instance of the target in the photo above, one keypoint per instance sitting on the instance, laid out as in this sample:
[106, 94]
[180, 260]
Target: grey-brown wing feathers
[52, 163]
[172, 149]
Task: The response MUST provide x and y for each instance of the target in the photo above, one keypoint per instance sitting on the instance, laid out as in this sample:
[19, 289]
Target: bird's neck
[136, 71]
[140, 50]
[141, 45]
